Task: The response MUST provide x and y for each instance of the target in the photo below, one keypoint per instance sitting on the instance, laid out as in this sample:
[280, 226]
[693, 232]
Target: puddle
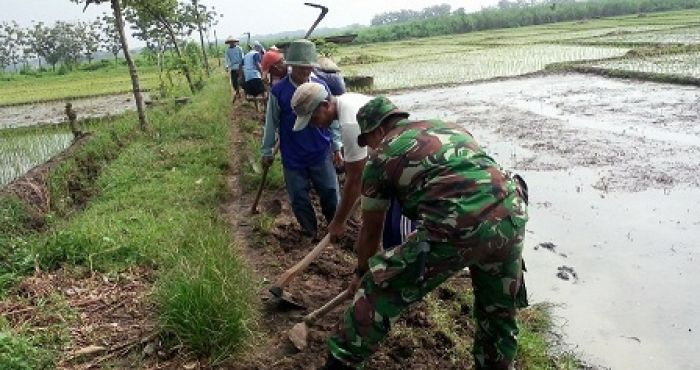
[614, 173]
[52, 112]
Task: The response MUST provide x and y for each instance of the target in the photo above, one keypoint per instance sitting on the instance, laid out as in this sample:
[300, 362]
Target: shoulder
[318, 80]
[281, 85]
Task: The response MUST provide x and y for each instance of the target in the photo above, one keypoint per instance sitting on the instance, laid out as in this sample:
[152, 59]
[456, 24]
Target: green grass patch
[16, 258]
[156, 204]
[21, 89]
[129, 198]
[250, 166]
[17, 352]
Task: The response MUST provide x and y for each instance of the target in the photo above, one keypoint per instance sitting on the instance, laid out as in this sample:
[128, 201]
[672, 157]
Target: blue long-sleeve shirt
[233, 57]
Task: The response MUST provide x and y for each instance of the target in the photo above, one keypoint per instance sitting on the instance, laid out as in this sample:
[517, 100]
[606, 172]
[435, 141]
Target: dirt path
[421, 344]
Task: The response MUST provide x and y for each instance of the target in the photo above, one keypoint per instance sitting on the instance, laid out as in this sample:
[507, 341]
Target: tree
[135, 85]
[163, 14]
[11, 40]
[201, 18]
[92, 38]
[110, 36]
[38, 40]
[68, 43]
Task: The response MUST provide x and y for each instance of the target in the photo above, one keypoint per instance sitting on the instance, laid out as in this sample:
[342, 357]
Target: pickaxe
[324, 10]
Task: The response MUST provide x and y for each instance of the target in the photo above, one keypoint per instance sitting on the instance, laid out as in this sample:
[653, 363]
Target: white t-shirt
[348, 105]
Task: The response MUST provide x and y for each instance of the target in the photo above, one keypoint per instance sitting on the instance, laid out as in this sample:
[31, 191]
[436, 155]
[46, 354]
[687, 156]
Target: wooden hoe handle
[333, 303]
[288, 275]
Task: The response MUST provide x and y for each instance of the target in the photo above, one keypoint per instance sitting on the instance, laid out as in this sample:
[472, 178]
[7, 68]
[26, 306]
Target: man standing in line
[233, 60]
[306, 154]
[252, 72]
[471, 214]
[273, 66]
[314, 106]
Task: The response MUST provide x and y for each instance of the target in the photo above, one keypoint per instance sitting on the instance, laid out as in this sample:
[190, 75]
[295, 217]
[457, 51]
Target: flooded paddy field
[53, 112]
[614, 173]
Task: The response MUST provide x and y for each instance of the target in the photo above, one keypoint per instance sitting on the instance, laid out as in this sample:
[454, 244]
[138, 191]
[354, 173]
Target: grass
[20, 89]
[250, 160]
[154, 201]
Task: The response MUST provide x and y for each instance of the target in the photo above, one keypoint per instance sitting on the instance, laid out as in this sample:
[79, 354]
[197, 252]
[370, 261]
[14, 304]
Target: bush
[18, 353]
[97, 65]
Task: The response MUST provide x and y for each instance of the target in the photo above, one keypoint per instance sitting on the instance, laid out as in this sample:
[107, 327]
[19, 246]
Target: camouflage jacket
[442, 178]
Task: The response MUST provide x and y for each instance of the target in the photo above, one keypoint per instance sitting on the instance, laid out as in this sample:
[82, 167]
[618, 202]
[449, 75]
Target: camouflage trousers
[404, 275]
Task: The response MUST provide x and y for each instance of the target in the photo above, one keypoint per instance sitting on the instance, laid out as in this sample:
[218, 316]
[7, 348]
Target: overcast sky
[256, 17]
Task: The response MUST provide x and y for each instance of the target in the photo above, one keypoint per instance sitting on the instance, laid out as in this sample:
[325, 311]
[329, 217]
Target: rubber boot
[333, 363]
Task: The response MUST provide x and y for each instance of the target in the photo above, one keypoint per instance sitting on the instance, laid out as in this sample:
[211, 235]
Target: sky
[239, 16]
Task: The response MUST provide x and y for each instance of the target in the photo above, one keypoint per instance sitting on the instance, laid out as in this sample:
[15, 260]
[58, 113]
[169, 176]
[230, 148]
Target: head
[300, 74]
[313, 106]
[231, 41]
[301, 55]
[257, 46]
[327, 65]
[375, 119]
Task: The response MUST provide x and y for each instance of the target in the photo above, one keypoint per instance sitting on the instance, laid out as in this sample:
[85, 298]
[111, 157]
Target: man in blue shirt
[233, 60]
[252, 72]
[306, 154]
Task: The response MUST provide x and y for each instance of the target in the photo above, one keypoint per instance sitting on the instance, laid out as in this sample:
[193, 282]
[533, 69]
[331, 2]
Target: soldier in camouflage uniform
[471, 214]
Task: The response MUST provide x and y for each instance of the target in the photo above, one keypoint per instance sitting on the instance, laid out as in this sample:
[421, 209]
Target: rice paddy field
[20, 89]
[517, 51]
[612, 163]
[21, 151]
[683, 64]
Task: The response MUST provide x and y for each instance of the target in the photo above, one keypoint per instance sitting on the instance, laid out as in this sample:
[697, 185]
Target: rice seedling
[23, 151]
[686, 64]
[435, 68]
[681, 36]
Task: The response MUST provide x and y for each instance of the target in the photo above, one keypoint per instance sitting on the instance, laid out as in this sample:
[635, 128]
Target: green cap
[372, 114]
[302, 53]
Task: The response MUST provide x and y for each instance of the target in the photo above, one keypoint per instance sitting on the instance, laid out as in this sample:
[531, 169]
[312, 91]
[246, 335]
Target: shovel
[299, 332]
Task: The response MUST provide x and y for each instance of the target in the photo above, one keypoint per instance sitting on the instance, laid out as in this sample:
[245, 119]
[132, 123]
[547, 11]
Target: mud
[52, 112]
[613, 170]
[416, 341]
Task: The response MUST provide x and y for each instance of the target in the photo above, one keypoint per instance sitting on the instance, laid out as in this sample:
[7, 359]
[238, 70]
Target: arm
[272, 123]
[370, 237]
[337, 142]
[227, 60]
[351, 191]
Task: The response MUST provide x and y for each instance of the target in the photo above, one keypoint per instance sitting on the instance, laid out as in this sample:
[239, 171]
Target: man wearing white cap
[314, 106]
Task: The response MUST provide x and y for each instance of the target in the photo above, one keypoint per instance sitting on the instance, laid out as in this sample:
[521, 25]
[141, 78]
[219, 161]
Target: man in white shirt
[313, 104]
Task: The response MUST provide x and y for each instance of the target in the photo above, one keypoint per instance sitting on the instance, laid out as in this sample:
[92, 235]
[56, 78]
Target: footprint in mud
[550, 247]
[567, 273]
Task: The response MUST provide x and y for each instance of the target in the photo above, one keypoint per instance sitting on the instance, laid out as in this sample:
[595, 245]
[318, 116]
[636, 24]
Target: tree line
[62, 42]
[405, 15]
[162, 28]
[517, 13]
